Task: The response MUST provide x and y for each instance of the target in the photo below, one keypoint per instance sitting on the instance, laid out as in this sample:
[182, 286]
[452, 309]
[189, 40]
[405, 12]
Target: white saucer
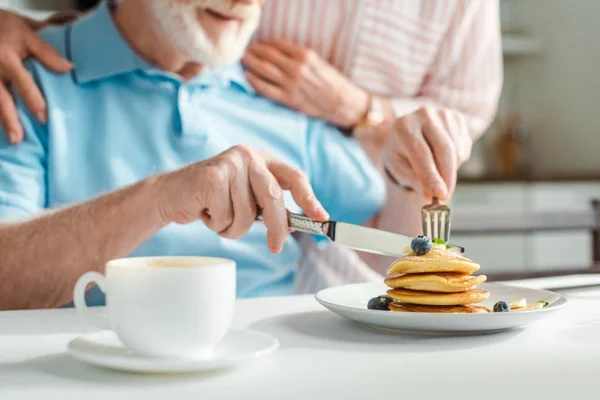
[105, 350]
[350, 301]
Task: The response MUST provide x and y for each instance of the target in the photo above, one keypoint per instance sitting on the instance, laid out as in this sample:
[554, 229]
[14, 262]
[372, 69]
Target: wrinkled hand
[225, 191]
[300, 79]
[426, 148]
[18, 40]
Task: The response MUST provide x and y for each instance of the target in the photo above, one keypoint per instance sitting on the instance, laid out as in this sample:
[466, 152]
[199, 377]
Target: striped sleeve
[467, 73]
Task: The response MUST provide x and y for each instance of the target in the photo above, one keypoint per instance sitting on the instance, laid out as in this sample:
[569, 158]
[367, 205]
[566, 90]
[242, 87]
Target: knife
[356, 237]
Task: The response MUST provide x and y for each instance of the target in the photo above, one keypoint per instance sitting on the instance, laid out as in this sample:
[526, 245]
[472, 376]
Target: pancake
[434, 261]
[438, 299]
[445, 282]
[464, 309]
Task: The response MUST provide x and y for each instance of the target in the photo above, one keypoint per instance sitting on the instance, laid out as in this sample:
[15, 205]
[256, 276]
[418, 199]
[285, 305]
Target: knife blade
[356, 237]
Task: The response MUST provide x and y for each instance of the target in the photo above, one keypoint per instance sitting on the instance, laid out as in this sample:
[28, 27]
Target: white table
[325, 356]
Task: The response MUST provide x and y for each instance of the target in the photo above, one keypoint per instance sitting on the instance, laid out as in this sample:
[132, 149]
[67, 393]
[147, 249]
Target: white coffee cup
[164, 306]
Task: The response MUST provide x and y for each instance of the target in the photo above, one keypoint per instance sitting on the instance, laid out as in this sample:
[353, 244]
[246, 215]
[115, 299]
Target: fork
[435, 216]
[436, 220]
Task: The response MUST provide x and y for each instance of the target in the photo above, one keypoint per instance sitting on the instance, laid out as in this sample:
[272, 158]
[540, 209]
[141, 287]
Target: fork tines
[436, 220]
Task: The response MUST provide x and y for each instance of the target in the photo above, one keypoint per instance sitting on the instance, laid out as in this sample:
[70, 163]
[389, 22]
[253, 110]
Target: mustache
[228, 7]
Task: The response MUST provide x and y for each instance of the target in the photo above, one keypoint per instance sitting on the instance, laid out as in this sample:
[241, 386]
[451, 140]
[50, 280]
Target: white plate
[350, 301]
[105, 350]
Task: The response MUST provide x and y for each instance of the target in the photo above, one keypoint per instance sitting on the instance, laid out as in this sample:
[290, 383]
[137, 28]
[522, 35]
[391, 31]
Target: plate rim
[132, 363]
[560, 303]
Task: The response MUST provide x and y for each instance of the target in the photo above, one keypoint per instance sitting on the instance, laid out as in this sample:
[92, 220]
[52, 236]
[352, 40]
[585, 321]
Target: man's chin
[225, 53]
[219, 59]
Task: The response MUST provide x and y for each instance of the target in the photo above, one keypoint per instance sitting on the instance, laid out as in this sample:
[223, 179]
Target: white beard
[178, 21]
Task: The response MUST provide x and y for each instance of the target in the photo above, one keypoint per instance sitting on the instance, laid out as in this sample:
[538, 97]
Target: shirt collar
[232, 74]
[97, 48]
[99, 51]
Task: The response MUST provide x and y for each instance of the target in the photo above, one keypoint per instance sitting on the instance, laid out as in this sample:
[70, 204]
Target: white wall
[559, 90]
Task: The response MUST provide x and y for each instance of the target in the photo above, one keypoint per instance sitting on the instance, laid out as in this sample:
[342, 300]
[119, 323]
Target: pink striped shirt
[415, 52]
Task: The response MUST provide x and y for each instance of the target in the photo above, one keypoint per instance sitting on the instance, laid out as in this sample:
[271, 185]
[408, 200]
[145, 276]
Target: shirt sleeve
[467, 73]
[22, 169]
[344, 179]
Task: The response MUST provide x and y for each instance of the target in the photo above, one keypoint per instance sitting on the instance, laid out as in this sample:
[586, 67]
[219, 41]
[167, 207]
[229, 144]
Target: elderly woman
[415, 81]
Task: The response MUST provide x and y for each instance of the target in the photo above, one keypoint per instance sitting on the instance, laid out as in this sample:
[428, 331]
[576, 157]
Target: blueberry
[501, 306]
[380, 303]
[421, 245]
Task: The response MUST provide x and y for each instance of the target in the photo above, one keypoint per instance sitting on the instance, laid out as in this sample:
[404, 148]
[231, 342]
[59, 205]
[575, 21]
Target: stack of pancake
[439, 281]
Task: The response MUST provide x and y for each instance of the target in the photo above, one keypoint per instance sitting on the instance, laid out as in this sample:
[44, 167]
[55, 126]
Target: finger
[423, 163]
[265, 88]
[403, 173]
[421, 159]
[458, 129]
[25, 85]
[9, 117]
[298, 53]
[444, 151]
[218, 212]
[244, 206]
[297, 183]
[48, 55]
[269, 197]
[287, 48]
[263, 68]
[269, 53]
[456, 125]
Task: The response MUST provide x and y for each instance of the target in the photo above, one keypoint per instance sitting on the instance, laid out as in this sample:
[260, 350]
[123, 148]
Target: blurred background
[524, 202]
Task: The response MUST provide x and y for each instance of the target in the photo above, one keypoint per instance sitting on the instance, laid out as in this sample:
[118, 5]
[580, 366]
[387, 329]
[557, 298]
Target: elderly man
[139, 137]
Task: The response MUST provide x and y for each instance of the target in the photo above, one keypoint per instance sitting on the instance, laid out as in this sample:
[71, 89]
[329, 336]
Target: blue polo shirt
[115, 120]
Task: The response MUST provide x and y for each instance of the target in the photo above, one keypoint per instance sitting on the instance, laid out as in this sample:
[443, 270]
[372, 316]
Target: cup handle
[79, 299]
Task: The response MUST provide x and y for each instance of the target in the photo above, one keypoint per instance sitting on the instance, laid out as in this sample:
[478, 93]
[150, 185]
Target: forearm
[43, 257]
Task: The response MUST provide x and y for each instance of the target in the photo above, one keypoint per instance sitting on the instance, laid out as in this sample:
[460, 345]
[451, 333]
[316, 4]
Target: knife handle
[300, 223]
